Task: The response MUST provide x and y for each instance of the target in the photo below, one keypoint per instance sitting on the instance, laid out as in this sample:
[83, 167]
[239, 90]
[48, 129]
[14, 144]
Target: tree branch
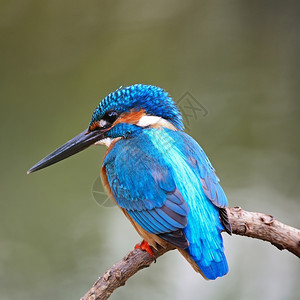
[265, 227]
[252, 224]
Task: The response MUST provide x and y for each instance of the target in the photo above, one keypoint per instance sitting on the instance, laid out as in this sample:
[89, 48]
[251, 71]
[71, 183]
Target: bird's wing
[195, 178]
[142, 184]
[200, 164]
[198, 161]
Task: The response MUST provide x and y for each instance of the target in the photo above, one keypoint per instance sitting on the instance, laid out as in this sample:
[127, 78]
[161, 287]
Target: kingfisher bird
[157, 174]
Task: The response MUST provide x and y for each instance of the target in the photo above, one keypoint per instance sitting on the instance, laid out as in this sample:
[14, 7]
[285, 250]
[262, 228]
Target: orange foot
[145, 247]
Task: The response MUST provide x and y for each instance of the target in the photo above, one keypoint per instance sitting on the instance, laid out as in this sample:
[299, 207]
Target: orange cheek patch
[131, 117]
[94, 126]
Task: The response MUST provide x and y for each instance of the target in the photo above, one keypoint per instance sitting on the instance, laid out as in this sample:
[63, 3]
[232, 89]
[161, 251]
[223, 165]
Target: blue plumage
[144, 171]
[159, 176]
[154, 100]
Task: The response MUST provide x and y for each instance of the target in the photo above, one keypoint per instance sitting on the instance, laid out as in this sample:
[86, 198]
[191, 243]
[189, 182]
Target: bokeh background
[239, 59]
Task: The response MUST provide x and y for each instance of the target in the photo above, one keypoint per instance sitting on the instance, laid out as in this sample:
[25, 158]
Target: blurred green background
[239, 59]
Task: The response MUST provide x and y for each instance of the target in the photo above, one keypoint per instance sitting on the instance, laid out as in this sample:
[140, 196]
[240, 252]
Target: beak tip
[32, 169]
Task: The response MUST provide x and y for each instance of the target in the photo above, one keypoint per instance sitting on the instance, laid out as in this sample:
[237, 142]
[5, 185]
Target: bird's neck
[126, 130]
[155, 122]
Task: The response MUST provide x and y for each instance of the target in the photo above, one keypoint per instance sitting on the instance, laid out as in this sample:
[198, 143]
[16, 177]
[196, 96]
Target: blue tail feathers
[208, 251]
[214, 269]
[208, 254]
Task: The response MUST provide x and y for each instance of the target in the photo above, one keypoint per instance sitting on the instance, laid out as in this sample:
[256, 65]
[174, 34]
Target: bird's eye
[110, 116]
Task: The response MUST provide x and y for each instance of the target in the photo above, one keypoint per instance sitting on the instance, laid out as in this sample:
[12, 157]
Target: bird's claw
[144, 246]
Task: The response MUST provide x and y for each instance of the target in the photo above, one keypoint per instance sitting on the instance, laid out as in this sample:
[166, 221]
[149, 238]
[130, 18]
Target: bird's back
[149, 166]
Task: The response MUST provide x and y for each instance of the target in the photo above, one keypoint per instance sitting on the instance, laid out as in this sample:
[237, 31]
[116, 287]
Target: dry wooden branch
[265, 227]
[252, 224]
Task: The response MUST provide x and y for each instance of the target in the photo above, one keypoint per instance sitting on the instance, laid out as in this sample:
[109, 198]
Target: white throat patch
[155, 122]
[107, 142]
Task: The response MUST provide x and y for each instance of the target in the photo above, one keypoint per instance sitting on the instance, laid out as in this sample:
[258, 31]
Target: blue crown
[154, 100]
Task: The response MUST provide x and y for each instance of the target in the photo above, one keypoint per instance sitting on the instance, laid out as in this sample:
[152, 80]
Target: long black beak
[75, 145]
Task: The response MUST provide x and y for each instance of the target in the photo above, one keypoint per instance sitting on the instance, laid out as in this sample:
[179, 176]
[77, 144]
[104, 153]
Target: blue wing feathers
[170, 216]
[173, 206]
[168, 186]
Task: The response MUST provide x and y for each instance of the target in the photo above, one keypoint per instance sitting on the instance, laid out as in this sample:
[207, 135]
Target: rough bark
[251, 224]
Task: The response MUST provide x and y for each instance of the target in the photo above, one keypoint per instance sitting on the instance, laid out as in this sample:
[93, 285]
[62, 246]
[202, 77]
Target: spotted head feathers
[152, 100]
